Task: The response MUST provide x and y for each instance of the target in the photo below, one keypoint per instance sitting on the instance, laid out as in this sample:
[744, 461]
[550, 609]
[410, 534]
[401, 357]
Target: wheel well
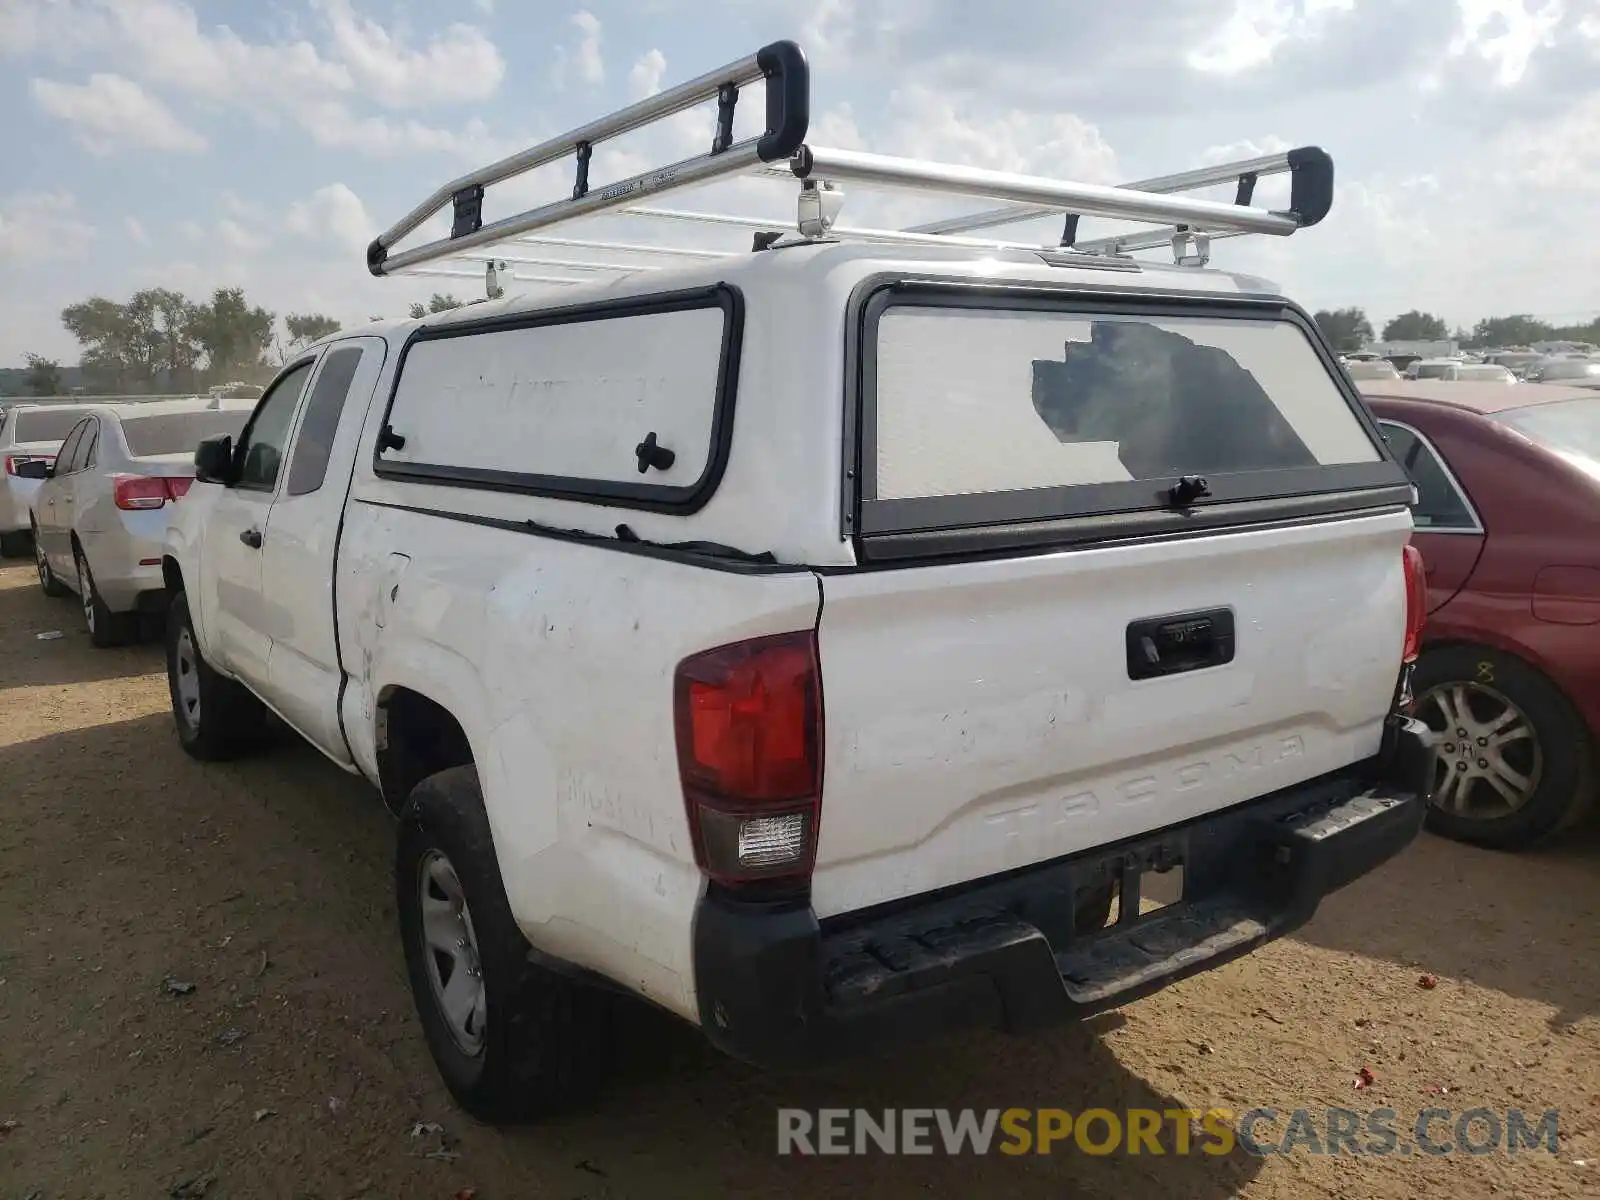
[171, 575]
[416, 738]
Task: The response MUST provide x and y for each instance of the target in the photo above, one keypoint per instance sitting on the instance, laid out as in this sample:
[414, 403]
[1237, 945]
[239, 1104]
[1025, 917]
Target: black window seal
[1251, 495]
[679, 500]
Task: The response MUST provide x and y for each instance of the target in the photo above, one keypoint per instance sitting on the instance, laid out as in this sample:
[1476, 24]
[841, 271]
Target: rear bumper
[777, 988]
[125, 556]
[15, 497]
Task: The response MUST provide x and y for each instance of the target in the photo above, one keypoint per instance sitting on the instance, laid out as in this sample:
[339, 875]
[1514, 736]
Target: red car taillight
[1416, 603]
[13, 461]
[134, 492]
[749, 728]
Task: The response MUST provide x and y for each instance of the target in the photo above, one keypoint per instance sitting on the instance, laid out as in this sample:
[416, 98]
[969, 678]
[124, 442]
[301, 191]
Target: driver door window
[265, 439]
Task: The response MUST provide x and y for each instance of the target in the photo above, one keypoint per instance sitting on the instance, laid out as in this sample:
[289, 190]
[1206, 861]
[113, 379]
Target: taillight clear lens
[1416, 602]
[749, 729]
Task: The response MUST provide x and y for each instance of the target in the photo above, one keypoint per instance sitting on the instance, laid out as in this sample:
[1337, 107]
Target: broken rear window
[976, 400]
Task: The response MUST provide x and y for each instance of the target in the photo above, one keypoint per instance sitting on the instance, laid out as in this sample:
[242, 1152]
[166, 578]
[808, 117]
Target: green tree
[1415, 326]
[305, 328]
[1518, 330]
[1347, 328]
[43, 377]
[436, 304]
[101, 327]
[148, 342]
[235, 336]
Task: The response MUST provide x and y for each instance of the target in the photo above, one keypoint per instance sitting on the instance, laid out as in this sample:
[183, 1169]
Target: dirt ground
[295, 1068]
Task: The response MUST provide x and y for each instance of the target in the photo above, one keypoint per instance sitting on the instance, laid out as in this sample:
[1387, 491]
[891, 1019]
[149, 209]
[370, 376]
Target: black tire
[227, 721]
[1560, 746]
[48, 583]
[16, 544]
[544, 1043]
[106, 628]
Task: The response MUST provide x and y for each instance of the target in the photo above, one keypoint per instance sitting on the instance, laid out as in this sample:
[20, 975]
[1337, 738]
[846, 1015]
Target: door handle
[251, 538]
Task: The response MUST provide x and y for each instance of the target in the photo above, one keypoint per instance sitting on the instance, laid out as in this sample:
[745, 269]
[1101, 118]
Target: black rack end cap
[1311, 186]
[376, 256]
[788, 99]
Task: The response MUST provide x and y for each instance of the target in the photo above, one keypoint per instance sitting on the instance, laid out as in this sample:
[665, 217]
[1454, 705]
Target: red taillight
[178, 486]
[133, 492]
[13, 461]
[1416, 603]
[749, 728]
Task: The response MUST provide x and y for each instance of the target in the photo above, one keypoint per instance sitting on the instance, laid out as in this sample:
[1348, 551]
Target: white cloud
[1505, 34]
[332, 214]
[1255, 31]
[111, 113]
[42, 226]
[60, 27]
[164, 44]
[645, 78]
[584, 59]
[240, 239]
[165, 40]
[134, 228]
[460, 64]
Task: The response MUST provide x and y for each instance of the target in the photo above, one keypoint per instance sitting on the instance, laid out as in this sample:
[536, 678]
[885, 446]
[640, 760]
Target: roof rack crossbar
[904, 237]
[453, 273]
[1304, 163]
[570, 264]
[788, 85]
[624, 247]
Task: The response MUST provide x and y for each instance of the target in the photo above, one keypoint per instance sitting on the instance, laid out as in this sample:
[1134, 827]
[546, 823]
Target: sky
[263, 143]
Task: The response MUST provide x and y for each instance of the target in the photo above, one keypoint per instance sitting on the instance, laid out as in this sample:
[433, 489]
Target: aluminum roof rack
[781, 152]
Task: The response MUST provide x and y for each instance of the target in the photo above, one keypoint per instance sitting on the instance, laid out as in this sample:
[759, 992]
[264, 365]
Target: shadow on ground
[1498, 907]
[266, 884]
[25, 661]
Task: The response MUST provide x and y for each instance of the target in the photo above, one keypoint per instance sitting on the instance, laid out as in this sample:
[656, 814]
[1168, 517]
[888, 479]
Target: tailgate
[982, 716]
[1230, 621]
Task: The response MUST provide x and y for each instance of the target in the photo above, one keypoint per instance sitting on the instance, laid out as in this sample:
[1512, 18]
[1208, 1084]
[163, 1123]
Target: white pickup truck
[831, 643]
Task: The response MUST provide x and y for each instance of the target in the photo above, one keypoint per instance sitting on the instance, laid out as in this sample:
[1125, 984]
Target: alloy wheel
[1489, 760]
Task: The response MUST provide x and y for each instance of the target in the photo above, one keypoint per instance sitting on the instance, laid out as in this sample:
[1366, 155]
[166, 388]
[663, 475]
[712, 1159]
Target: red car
[1508, 523]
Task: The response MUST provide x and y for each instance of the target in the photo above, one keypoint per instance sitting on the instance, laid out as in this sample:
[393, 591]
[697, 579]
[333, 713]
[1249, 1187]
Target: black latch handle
[651, 454]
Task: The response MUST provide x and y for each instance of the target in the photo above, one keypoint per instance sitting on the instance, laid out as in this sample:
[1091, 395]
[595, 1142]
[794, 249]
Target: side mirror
[34, 468]
[213, 460]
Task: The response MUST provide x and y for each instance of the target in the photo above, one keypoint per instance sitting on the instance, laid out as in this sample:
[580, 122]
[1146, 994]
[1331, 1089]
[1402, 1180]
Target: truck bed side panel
[557, 659]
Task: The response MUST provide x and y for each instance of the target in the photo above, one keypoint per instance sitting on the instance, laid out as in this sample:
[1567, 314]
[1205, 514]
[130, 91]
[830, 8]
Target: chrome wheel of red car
[1490, 760]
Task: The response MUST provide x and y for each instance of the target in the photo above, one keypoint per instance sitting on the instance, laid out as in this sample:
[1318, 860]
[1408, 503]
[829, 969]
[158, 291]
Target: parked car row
[87, 488]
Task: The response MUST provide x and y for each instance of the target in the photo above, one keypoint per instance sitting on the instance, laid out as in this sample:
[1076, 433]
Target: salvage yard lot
[294, 1067]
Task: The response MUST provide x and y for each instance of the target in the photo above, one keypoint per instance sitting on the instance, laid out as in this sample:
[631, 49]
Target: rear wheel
[14, 544]
[216, 717]
[1514, 763]
[511, 1039]
[48, 583]
[106, 628]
